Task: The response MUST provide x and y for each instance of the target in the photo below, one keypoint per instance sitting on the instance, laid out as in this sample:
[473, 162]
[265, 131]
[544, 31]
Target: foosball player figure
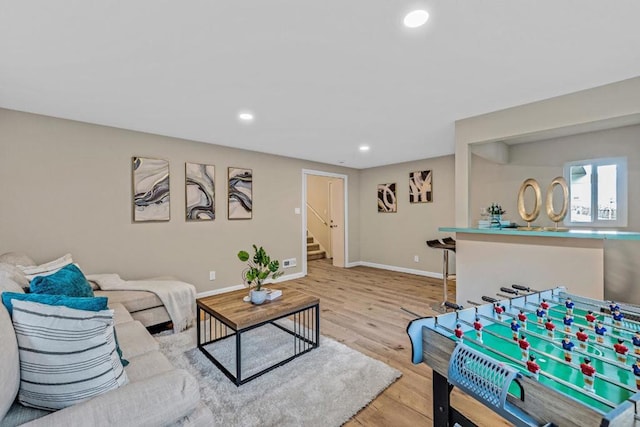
[636, 342]
[533, 367]
[544, 304]
[515, 327]
[458, 332]
[591, 318]
[613, 306]
[569, 304]
[524, 347]
[621, 351]
[636, 372]
[568, 321]
[540, 312]
[549, 326]
[617, 319]
[523, 319]
[478, 327]
[588, 373]
[567, 346]
[583, 338]
[600, 331]
[498, 310]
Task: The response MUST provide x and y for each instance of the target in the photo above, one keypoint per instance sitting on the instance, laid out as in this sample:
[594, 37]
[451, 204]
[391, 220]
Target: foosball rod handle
[509, 290]
[453, 305]
[523, 288]
[489, 299]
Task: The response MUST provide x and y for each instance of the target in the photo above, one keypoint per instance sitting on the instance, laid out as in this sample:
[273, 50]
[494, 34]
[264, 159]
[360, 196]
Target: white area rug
[324, 387]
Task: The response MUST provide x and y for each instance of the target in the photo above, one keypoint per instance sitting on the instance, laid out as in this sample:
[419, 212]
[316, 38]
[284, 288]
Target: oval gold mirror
[533, 215]
[551, 213]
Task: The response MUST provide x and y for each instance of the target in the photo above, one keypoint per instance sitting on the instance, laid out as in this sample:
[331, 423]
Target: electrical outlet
[288, 263]
[416, 258]
[212, 275]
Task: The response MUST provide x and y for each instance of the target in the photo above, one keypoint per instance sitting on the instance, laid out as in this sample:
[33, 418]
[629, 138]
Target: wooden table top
[238, 314]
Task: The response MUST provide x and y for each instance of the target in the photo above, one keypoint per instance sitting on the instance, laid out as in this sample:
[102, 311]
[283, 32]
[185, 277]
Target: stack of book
[486, 223]
[273, 294]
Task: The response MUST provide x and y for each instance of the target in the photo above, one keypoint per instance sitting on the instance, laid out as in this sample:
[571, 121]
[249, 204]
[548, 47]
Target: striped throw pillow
[66, 355]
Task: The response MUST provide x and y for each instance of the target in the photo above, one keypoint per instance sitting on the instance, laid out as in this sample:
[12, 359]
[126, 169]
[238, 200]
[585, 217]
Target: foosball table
[537, 358]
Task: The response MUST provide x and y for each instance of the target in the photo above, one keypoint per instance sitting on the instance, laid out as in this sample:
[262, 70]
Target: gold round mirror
[522, 210]
[553, 216]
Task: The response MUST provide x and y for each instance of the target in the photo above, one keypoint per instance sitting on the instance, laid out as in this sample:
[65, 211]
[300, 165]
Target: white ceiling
[322, 77]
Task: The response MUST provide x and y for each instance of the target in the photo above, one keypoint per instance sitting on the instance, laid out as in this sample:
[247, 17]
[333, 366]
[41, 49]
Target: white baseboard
[398, 269]
[237, 287]
[220, 291]
[289, 277]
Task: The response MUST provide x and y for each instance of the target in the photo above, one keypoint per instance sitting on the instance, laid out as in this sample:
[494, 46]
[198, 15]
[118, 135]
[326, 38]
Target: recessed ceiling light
[416, 18]
[364, 148]
[245, 116]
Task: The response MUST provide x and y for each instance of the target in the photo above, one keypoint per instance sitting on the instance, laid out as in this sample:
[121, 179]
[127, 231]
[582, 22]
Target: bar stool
[446, 244]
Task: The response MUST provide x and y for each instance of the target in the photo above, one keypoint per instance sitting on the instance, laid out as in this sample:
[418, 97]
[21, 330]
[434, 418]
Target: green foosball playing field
[611, 356]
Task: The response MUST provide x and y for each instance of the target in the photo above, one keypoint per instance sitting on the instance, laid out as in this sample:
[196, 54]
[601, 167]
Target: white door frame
[305, 173]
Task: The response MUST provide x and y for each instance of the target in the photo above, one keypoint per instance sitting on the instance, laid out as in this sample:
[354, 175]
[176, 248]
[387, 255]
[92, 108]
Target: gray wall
[544, 160]
[66, 187]
[395, 238]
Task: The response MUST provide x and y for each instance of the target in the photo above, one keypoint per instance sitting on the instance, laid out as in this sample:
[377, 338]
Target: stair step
[313, 247]
[316, 255]
[309, 239]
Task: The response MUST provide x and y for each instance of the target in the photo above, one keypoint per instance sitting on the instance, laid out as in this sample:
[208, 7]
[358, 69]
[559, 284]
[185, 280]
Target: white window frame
[621, 192]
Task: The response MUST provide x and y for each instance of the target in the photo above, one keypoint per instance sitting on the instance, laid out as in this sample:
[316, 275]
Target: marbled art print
[150, 190]
[240, 193]
[387, 202]
[420, 187]
[200, 192]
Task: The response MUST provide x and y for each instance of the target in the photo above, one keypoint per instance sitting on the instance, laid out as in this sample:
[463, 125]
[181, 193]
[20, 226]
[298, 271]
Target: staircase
[313, 249]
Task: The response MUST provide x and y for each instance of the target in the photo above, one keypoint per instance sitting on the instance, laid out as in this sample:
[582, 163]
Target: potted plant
[260, 268]
[496, 212]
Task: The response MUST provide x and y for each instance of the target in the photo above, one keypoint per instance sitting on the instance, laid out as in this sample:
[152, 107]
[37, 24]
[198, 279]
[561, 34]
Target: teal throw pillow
[68, 281]
[78, 303]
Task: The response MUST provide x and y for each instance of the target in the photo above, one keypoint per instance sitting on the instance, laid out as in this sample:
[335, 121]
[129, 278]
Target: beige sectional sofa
[157, 394]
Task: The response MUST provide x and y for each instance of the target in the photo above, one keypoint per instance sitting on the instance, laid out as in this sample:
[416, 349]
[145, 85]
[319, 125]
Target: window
[597, 192]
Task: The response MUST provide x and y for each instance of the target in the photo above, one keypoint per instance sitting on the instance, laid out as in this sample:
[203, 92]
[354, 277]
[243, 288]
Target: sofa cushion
[67, 281]
[158, 401]
[66, 356]
[120, 314]
[134, 339]
[148, 365]
[15, 274]
[79, 303]
[132, 300]
[9, 361]
[152, 316]
[47, 268]
[17, 258]
[7, 284]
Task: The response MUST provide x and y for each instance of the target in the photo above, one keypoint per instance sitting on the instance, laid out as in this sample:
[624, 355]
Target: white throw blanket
[178, 297]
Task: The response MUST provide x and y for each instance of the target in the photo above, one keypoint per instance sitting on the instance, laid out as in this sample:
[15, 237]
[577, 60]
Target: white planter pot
[258, 297]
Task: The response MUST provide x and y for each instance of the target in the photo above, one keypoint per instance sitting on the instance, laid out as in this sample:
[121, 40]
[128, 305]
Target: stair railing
[317, 214]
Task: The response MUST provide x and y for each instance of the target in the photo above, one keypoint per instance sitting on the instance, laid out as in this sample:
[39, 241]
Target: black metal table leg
[444, 414]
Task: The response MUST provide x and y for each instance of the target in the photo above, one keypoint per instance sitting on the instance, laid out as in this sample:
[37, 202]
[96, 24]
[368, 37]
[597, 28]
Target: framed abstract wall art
[150, 190]
[199, 192]
[240, 205]
[420, 187]
[387, 202]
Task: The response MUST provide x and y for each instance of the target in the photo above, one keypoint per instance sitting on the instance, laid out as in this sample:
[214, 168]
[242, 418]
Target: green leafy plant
[261, 267]
[495, 209]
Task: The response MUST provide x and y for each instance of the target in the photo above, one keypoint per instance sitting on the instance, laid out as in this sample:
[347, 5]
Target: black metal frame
[305, 339]
[444, 414]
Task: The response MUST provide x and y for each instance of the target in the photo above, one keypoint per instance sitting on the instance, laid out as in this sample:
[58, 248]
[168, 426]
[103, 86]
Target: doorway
[324, 215]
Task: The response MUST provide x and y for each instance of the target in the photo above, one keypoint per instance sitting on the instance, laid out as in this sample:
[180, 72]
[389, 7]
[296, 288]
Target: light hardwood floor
[361, 307]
